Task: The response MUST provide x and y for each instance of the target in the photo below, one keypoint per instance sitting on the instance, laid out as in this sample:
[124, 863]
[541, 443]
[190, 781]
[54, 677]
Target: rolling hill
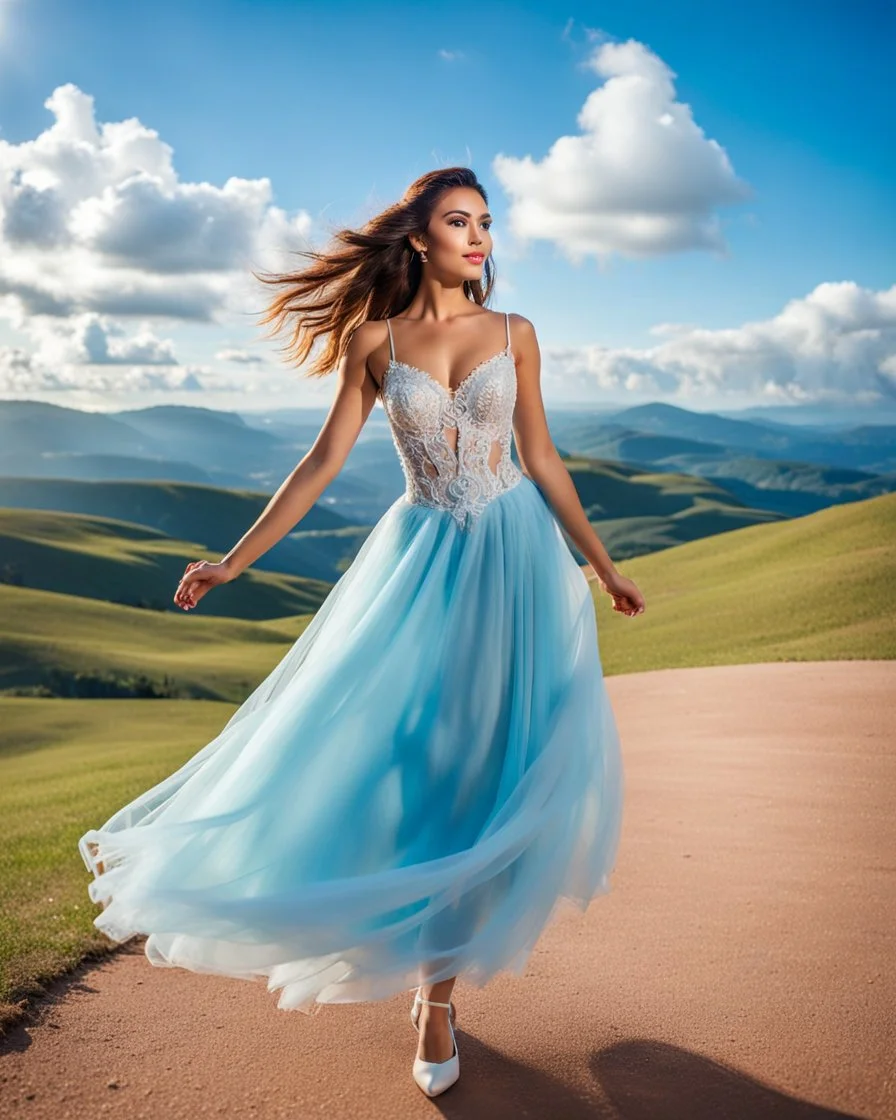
[222, 445]
[636, 511]
[810, 588]
[639, 510]
[89, 467]
[763, 462]
[121, 562]
[767, 466]
[820, 586]
[53, 644]
[212, 517]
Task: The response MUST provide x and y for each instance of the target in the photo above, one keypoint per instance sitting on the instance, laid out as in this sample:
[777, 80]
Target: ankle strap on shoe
[431, 1002]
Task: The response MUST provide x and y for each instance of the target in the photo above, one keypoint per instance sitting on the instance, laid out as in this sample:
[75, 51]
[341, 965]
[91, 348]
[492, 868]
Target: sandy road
[744, 965]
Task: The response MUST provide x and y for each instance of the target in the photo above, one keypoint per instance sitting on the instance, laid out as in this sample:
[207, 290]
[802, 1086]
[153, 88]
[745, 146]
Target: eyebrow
[466, 213]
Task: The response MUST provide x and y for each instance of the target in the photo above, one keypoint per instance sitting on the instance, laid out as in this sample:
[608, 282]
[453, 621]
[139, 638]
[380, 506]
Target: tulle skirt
[430, 770]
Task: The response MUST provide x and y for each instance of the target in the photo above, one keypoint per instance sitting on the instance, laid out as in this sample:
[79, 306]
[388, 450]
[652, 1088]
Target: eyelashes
[485, 225]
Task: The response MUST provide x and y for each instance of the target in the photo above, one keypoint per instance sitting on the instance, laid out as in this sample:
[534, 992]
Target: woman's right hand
[198, 578]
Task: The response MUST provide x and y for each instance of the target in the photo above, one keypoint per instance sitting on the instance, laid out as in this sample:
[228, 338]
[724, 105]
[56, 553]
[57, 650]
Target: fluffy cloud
[91, 339]
[93, 218]
[22, 373]
[641, 179]
[95, 225]
[837, 345]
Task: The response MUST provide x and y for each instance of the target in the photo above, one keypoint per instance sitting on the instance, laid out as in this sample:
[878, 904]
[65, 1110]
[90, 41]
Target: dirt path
[743, 966]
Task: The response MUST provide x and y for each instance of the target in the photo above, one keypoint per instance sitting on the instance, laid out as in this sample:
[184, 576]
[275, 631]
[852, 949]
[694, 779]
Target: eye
[453, 220]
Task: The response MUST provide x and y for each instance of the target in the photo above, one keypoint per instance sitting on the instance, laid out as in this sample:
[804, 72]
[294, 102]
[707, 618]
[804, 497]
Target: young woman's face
[457, 240]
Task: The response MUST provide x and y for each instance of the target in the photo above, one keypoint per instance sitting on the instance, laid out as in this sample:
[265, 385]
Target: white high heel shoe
[435, 1077]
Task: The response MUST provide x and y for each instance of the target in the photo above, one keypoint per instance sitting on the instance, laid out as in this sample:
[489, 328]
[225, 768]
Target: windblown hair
[368, 273]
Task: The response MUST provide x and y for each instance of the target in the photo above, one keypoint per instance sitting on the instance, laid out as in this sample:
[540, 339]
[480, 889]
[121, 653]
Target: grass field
[64, 764]
[818, 587]
[47, 637]
[812, 588]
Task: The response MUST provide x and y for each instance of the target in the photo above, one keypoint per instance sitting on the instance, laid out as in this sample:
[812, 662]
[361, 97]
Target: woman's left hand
[627, 599]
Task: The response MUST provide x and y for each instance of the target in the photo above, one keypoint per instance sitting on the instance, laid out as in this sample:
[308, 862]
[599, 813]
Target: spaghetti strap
[391, 343]
[507, 325]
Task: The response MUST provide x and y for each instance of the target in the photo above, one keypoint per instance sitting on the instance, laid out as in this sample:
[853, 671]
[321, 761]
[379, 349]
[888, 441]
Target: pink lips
[476, 258]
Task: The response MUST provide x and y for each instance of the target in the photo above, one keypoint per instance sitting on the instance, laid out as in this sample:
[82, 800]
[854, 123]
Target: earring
[423, 257]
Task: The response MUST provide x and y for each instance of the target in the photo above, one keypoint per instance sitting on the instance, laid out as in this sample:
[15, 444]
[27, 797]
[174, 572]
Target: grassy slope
[122, 562]
[819, 587]
[207, 657]
[816, 587]
[211, 515]
[637, 511]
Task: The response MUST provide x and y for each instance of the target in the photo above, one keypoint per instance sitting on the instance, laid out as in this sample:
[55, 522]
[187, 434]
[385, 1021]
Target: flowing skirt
[409, 795]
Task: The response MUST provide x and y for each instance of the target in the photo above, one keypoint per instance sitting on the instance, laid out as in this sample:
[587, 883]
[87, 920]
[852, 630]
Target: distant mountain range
[256, 451]
[650, 476]
[870, 448]
[635, 511]
[765, 464]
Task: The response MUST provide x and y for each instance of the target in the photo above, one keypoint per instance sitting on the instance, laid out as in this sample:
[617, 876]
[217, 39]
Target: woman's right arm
[355, 397]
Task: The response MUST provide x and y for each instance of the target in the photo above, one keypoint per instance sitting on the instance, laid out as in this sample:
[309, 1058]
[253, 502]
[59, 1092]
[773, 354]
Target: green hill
[637, 511]
[98, 558]
[787, 487]
[210, 515]
[810, 588]
[820, 586]
[71, 646]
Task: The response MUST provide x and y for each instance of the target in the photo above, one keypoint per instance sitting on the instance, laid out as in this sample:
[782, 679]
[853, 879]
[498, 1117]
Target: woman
[434, 765]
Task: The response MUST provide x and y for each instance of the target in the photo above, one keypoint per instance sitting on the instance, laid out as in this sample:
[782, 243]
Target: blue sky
[772, 282]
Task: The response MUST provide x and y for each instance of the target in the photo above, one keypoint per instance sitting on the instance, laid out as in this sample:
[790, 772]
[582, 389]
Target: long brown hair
[367, 273]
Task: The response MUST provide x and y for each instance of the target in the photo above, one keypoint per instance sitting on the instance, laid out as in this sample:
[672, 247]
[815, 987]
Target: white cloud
[837, 344]
[640, 179]
[17, 370]
[25, 374]
[233, 354]
[93, 218]
[91, 339]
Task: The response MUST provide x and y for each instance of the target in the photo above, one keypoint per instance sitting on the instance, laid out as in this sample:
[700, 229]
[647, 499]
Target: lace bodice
[454, 445]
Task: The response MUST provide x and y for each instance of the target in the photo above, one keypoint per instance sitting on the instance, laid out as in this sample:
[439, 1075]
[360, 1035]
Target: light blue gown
[432, 768]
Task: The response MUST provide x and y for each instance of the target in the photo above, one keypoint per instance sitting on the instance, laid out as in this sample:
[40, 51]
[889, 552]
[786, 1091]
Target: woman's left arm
[541, 461]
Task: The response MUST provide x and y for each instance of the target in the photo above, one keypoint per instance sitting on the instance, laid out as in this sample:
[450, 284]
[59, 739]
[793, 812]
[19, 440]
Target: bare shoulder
[368, 349]
[522, 331]
[368, 337]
